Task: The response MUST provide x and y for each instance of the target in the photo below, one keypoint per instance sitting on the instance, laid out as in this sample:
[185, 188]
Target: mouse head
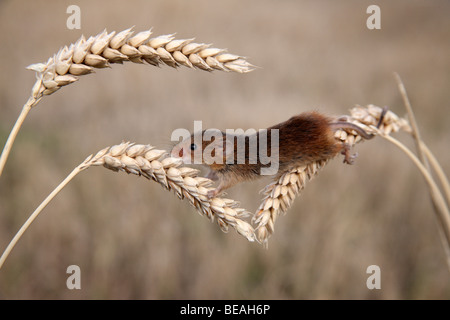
[203, 147]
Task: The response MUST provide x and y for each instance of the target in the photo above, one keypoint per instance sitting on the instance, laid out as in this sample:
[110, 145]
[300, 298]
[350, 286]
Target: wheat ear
[153, 164]
[105, 49]
[280, 194]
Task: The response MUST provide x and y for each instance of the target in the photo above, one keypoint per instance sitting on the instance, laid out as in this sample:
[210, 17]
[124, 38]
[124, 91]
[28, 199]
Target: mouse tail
[348, 125]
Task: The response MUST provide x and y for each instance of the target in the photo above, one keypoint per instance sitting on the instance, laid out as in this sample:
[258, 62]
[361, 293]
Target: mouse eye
[193, 146]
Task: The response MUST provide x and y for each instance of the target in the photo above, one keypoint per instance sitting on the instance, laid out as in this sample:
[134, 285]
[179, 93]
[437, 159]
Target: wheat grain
[279, 196]
[369, 116]
[104, 49]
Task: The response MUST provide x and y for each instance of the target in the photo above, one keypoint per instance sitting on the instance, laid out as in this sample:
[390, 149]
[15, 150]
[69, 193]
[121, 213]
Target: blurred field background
[133, 240]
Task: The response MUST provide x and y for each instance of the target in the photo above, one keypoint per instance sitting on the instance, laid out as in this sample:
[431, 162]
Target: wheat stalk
[153, 164]
[280, 194]
[103, 50]
[423, 152]
[440, 200]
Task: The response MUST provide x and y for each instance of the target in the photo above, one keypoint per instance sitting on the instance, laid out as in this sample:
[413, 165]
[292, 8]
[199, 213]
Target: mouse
[302, 139]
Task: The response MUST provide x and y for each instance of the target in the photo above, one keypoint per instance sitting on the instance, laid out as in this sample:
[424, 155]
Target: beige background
[132, 239]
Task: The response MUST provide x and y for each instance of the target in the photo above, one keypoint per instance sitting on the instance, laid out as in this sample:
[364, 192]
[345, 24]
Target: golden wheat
[279, 196]
[153, 164]
[100, 51]
[104, 49]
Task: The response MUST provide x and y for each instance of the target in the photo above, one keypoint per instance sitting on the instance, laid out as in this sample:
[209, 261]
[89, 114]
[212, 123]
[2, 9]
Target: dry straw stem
[280, 194]
[440, 204]
[105, 49]
[153, 164]
[423, 151]
[15, 130]
[438, 169]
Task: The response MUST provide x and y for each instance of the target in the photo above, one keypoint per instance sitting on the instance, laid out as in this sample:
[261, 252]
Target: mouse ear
[176, 151]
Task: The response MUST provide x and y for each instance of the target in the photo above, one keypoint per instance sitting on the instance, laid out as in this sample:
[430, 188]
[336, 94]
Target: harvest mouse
[301, 140]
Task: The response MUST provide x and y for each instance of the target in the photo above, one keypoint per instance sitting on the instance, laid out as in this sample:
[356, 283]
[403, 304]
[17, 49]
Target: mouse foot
[349, 158]
[212, 194]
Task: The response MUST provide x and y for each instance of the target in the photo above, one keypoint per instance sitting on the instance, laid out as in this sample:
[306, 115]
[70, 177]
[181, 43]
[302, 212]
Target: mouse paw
[211, 193]
[350, 158]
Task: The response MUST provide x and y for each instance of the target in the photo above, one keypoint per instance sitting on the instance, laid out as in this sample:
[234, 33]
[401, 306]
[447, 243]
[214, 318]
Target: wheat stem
[438, 169]
[425, 155]
[412, 120]
[441, 208]
[15, 130]
[36, 212]
[445, 215]
[423, 151]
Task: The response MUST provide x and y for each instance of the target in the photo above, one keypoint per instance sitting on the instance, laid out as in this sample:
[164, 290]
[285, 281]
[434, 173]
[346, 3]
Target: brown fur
[303, 139]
